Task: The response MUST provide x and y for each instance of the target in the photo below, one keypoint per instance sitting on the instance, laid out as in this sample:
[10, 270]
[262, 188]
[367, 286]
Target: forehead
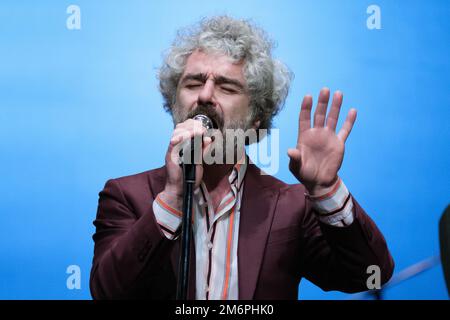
[213, 64]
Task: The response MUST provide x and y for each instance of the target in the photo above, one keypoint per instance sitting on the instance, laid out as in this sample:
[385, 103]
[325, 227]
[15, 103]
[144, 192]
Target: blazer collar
[257, 211]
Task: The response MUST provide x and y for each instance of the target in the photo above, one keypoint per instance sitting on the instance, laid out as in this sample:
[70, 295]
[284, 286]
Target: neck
[215, 176]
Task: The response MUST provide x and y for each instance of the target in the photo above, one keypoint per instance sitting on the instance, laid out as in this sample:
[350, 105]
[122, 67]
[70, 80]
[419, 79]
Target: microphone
[207, 123]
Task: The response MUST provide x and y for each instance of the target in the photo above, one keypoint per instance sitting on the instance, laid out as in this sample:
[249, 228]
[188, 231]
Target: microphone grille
[206, 121]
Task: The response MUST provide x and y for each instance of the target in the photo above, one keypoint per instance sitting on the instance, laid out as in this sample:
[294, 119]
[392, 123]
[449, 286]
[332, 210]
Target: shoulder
[291, 197]
[291, 203]
[139, 183]
[142, 177]
[271, 182]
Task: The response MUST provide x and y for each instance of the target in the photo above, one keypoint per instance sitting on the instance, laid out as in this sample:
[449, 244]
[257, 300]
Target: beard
[228, 135]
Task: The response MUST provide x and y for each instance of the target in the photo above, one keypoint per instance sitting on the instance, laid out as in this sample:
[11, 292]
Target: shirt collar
[236, 179]
[238, 173]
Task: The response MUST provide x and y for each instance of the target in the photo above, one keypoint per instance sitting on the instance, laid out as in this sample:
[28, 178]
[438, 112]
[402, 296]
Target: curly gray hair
[267, 79]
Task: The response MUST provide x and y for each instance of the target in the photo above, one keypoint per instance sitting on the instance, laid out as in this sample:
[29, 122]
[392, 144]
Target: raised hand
[316, 159]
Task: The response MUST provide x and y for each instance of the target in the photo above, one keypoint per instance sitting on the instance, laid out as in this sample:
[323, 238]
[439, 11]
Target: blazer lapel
[256, 215]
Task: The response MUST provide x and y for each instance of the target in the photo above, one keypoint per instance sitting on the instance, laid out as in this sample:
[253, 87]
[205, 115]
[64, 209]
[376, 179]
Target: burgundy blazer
[280, 241]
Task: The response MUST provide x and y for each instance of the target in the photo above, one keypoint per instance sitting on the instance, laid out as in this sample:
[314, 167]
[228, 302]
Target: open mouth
[214, 123]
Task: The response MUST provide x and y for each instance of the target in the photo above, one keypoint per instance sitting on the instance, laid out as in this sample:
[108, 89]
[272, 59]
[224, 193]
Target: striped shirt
[334, 207]
[216, 233]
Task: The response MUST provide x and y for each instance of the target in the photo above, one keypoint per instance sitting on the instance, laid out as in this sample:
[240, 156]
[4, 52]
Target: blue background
[81, 106]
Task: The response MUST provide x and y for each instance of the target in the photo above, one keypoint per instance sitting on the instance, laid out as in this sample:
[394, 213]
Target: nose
[206, 95]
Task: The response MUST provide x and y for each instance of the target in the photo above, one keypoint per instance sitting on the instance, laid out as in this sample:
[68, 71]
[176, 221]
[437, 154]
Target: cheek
[185, 101]
[185, 97]
[240, 108]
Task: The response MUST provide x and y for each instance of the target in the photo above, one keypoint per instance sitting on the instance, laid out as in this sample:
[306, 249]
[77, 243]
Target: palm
[319, 152]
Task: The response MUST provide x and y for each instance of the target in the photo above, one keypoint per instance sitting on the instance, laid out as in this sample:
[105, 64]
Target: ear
[256, 125]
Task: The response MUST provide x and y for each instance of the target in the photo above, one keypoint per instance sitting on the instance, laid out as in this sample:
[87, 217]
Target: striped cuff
[335, 207]
[168, 218]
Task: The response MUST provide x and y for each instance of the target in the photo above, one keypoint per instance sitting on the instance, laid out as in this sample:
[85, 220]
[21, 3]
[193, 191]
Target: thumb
[294, 154]
[296, 160]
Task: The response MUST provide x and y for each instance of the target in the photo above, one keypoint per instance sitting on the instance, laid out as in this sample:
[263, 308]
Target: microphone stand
[186, 227]
[400, 277]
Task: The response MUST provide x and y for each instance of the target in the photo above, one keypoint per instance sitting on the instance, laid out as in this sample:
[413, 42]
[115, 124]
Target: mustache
[208, 110]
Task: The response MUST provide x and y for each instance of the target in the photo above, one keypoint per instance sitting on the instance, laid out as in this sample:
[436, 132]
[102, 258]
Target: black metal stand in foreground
[399, 278]
[186, 227]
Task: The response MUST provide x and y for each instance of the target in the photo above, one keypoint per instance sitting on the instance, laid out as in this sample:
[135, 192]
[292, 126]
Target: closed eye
[229, 90]
[193, 86]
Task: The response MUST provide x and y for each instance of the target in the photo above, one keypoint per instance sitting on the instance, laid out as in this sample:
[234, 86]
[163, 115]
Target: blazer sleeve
[126, 261]
[337, 258]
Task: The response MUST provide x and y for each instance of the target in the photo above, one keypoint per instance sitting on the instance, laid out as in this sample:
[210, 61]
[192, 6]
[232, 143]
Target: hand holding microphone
[183, 139]
[192, 151]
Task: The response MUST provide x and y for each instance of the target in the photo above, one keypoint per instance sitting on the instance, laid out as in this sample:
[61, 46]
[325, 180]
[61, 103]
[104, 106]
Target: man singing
[254, 237]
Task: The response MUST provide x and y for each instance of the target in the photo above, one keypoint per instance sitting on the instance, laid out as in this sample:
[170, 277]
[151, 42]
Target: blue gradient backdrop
[80, 107]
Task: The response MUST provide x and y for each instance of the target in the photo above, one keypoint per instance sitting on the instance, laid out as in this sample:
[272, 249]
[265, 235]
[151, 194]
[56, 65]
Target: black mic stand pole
[186, 227]
[189, 167]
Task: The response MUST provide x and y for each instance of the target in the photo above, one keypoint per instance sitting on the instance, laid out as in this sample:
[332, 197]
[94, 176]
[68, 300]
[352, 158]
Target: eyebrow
[194, 76]
[225, 80]
[202, 77]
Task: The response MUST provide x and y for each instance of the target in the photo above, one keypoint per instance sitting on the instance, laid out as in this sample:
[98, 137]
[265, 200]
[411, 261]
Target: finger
[304, 120]
[175, 139]
[180, 135]
[195, 124]
[190, 124]
[195, 128]
[183, 132]
[182, 140]
[173, 152]
[333, 115]
[348, 125]
[321, 109]
[206, 142]
[208, 154]
[188, 132]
